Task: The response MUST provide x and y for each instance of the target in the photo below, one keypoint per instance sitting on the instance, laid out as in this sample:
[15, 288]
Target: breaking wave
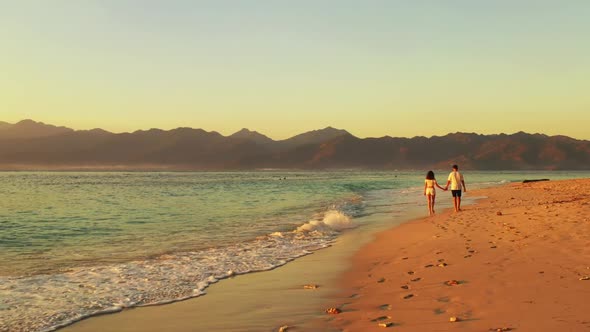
[333, 221]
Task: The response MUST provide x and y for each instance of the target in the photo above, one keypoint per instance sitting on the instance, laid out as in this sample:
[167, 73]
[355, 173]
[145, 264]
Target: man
[457, 184]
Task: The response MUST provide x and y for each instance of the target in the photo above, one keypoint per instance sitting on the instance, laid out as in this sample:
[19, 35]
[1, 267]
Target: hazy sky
[375, 68]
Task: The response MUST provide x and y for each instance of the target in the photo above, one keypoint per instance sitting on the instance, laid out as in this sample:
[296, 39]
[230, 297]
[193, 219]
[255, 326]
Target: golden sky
[375, 68]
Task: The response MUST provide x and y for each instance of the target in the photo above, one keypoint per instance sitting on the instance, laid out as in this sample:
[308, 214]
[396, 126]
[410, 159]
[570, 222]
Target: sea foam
[333, 221]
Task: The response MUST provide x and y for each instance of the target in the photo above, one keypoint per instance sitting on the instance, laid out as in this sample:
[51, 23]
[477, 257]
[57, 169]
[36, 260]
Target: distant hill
[254, 136]
[314, 137]
[30, 129]
[35, 145]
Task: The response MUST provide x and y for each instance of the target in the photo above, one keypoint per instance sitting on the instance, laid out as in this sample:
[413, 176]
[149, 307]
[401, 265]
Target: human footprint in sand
[430, 191]
[457, 184]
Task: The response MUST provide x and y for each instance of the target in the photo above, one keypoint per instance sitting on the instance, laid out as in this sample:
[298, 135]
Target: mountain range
[34, 145]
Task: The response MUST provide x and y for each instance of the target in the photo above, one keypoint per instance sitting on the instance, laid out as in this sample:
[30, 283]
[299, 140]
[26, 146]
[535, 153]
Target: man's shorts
[456, 193]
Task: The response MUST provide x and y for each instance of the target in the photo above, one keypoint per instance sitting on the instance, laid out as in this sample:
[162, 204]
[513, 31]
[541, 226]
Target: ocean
[77, 244]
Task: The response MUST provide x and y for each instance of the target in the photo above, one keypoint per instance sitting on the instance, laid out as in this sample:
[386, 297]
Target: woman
[430, 191]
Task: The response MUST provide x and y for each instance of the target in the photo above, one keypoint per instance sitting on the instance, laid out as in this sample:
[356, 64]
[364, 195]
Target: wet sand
[517, 260]
[262, 301]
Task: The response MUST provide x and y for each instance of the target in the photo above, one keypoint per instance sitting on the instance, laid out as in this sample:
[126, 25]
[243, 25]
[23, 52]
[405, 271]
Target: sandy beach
[518, 260]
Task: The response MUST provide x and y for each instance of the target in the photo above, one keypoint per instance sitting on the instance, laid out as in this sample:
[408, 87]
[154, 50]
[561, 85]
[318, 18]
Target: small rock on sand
[284, 328]
[452, 283]
[453, 319]
[333, 311]
[385, 324]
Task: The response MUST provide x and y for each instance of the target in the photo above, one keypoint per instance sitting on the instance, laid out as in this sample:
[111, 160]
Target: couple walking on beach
[455, 180]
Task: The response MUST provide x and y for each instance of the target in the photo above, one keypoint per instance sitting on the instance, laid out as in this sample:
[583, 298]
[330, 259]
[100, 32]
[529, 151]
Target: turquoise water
[78, 244]
[54, 221]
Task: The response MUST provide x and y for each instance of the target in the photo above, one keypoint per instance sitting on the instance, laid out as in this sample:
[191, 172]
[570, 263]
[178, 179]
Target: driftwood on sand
[534, 180]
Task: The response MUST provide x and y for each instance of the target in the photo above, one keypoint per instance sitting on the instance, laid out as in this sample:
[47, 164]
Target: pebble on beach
[452, 282]
[333, 311]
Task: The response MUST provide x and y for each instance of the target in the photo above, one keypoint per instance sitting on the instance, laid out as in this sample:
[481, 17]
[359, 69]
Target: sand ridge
[516, 261]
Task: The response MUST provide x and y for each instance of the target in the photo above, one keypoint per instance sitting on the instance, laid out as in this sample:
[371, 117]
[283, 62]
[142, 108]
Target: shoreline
[257, 301]
[515, 260]
[325, 264]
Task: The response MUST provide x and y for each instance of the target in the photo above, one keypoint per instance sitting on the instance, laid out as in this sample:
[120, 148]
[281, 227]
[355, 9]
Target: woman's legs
[430, 204]
[433, 200]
